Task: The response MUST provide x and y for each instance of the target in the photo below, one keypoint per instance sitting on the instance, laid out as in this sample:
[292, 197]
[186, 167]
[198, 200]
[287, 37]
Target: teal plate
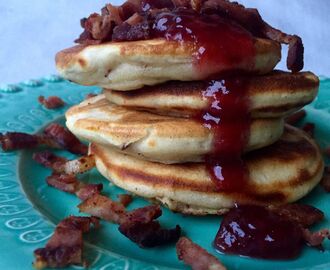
[29, 209]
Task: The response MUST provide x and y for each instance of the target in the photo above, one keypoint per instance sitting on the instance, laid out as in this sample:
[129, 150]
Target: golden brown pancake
[276, 94]
[133, 64]
[278, 174]
[155, 137]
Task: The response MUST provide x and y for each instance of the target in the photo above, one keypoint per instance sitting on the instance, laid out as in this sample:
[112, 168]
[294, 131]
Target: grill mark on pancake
[254, 196]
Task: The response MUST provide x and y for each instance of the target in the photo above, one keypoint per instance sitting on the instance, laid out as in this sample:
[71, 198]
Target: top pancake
[272, 95]
[278, 174]
[133, 64]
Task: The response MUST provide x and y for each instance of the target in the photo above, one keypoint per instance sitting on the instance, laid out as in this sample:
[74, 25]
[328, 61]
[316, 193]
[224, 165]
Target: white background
[32, 31]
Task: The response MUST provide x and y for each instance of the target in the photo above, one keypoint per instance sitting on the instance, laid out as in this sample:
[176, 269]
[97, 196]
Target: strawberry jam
[229, 121]
[219, 44]
[257, 232]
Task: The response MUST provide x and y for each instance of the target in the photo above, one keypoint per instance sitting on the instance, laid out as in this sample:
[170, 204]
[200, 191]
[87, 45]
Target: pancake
[131, 65]
[278, 174]
[155, 137]
[276, 94]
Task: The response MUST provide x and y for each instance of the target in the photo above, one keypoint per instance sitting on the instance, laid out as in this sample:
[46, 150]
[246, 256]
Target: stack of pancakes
[146, 139]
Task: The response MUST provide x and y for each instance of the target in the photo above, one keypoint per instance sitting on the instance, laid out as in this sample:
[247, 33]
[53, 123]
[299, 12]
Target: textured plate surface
[29, 209]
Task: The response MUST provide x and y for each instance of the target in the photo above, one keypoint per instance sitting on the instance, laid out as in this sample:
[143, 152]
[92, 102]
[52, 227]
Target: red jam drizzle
[257, 232]
[229, 120]
[219, 44]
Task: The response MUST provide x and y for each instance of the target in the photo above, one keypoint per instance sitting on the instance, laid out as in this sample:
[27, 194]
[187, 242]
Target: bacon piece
[140, 226]
[144, 214]
[309, 129]
[86, 191]
[149, 234]
[125, 199]
[18, 140]
[70, 184]
[295, 117]
[315, 239]
[62, 165]
[49, 160]
[52, 102]
[66, 245]
[197, 257]
[104, 208]
[64, 182]
[325, 182]
[65, 139]
[302, 214]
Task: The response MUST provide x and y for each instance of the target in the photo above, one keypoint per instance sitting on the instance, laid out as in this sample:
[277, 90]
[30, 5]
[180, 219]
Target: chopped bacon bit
[70, 184]
[90, 95]
[125, 199]
[144, 214]
[140, 226]
[149, 234]
[79, 165]
[49, 160]
[18, 140]
[64, 182]
[309, 129]
[104, 208]
[86, 191]
[62, 165]
[66, 244]
[65, 139]
[295, 117]
[197, 257]
[302, 214]
[52, 102]
[315, 239]
[325, 182]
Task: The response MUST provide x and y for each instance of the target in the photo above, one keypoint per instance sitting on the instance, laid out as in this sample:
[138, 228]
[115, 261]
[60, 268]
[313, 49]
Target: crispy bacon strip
[325, 182]
[315, 239]
[70, 184]
[104, 208]
[125, 199]
[62, 165]
[52, 102]
[140, 226]
[18, 140]
[295, 117]
[56, 136]
[149, 234]
[196, 257]
[65, 139]
[66, 245]
[302, 214]
[49, 160]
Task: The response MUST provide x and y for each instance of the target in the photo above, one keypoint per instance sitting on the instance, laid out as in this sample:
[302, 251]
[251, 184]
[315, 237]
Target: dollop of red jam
[228, 118]
[258, 232]
[219, 44]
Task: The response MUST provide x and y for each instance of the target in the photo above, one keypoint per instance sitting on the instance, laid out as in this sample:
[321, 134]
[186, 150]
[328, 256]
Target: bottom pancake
[278, 174]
